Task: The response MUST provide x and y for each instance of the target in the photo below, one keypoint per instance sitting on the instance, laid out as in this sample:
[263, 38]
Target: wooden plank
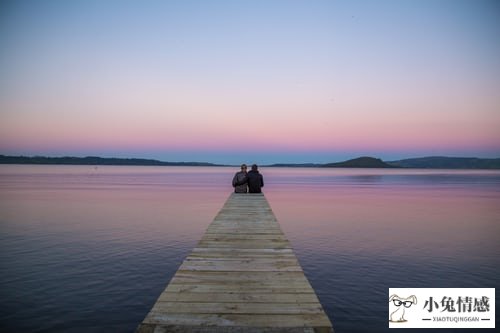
[239, 320]
[249, 297]
[251, 251]
[234, 288]
[241, 277]
[242, 243]
[237, 308]
[245, 280]
[239, 268]
[238, 236]
[217, 254]
[248, 285]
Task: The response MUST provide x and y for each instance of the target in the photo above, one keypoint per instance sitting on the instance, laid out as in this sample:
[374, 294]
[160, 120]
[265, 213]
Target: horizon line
[230, 164]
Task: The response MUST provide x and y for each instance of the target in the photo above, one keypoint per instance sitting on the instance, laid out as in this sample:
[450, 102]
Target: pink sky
[336, 79]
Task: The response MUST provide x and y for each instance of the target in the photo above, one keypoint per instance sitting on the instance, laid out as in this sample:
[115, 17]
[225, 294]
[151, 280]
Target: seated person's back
[240, 180]
[255, 180]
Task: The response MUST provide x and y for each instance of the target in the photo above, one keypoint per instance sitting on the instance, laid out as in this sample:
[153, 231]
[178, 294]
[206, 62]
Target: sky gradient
[250, 81]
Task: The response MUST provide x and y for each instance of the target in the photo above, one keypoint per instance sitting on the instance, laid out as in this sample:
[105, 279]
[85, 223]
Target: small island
[360, 162]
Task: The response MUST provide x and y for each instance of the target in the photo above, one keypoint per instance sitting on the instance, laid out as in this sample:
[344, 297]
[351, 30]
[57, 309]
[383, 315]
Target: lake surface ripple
[89, 249]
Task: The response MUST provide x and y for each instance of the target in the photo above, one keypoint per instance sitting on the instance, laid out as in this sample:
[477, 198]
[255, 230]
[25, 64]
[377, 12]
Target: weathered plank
[248, 297]
[241, 277]
[234, 288]
[238, 320]
[237, 308]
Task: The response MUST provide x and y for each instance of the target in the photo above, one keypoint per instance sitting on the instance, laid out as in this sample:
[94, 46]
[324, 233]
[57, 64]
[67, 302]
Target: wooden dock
[242, 277]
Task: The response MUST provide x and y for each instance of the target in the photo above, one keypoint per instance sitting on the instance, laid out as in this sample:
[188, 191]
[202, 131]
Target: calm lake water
[85, 249]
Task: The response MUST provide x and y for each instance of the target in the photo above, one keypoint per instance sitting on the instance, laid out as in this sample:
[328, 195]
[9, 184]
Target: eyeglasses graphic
[406, 304]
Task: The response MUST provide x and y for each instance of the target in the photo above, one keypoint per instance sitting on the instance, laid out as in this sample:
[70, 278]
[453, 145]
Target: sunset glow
[271, 81]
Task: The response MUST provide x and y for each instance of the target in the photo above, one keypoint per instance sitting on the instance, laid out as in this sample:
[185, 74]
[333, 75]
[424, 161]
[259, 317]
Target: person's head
[243, 167]
[255, 167]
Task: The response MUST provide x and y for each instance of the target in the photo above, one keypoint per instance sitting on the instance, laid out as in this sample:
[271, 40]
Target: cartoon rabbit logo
[397, 316]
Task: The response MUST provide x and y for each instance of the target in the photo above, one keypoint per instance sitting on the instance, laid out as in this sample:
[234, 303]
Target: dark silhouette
[255, 180]
[93, 160]
[441, 162]
[360, 162]
[239, 180]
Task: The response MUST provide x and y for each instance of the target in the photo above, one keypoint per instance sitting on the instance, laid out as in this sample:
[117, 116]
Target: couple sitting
[243, 179]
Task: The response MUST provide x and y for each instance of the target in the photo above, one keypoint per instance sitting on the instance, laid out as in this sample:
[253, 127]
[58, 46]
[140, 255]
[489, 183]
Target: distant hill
[92, 160]
[440, 162]
[360, 162]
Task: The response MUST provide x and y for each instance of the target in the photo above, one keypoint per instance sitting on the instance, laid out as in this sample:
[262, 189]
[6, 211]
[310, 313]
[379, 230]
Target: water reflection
[99, 245]
[363, 179]
[355, 242]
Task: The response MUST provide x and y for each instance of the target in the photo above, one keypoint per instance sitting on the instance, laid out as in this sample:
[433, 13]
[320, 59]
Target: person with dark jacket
[239, 180]
[255, 180]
